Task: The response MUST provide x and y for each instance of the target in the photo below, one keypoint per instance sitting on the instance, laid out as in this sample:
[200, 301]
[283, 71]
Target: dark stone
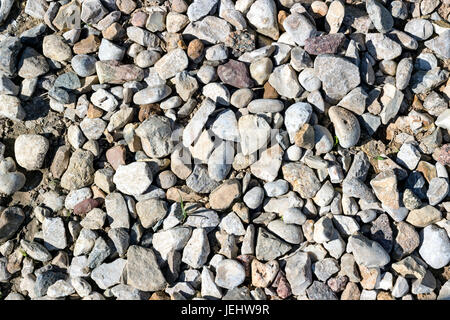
[10, 221]
[320, 291]
[68, 80]
[416, 182]
[87, 205]
[45, 279]
[329, 43]
[381, 232]
[9, 53]
[242, 293]
[235, 73]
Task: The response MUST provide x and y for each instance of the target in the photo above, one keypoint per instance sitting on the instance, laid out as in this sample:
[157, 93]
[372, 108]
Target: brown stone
[87, 205]
[113, 72]
[428, 170]
[384, 186]
[242, 211]
[114, 32]
[406, 241]
[282, 285]
[426, 296]
[86, 84]
[329, 43]
[147, 110]
[173, 194]
[304, 138]
[60, 161]
[369, 277]
[179, 6]
[87, 45]
[383, 295]
[94, 112]
[281, 16]
[338, 283]
[126, 6]
[246, 261]
[195, 50]
[224, 195]
[116, 156]
[263, 274]
[235, 73]
[159, 295]
[351, 292]
[139, 18]
[319, 8]
[97, 192]
[444, 155]
[270, 92]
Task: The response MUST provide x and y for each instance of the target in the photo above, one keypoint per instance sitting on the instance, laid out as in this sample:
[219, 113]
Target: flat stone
[234, 73]
[302, 178]
[142, 261]
[338, 75]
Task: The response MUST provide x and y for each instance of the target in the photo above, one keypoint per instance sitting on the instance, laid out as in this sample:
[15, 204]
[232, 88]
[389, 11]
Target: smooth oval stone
[265, 105]
[346, 126]
[152, 94]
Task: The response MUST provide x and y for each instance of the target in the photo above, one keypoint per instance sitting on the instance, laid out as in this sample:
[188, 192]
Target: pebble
[254, 132]
[299, 27]
[420, 29]
[262, 14]
[229, 274]
[380, 16]
[254, 197]
[435, 246]
[367, 252]
[346, 126]
[338, 75]
[30, 151]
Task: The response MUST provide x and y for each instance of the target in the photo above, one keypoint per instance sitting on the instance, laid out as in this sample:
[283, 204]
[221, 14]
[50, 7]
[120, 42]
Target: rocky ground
[220, 149]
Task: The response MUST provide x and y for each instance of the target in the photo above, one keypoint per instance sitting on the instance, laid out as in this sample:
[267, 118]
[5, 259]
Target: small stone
[55, 48]
[438, 189]
[367, 252]
[263, 16]
[284, 80]
[329, 43]
[435, 247]
[380, 16]
[165, 65]
[338, 75]
[420, 29]
[424, 216]
[346, 126]
[197, 249]
[143, 261]
[302, 178]
[299, 27]
[229, 274]
[385, 187]
[134, 178]
[234, 73]
[382, 47]
[80, 170]
[30, 151]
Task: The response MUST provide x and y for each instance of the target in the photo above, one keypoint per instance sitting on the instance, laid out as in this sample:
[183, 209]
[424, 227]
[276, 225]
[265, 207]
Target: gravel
[213, 149]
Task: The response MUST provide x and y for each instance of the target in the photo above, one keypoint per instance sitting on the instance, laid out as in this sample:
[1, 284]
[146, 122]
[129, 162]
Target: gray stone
[367, 252]
[229, 274]
[338, 75]
[143, 272]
